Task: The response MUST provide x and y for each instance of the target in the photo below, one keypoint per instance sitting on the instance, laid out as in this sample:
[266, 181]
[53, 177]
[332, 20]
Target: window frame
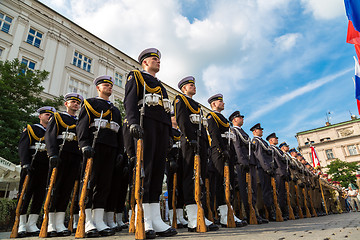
[35, 37]
[84, 91]
[351, 153]
[28, 61]
[329, 153]
[82, 61]
[118, 78]
[3, 21]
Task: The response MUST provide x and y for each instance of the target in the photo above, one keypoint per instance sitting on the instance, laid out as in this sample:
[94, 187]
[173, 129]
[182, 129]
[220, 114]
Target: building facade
[43, 39]
[341, 140]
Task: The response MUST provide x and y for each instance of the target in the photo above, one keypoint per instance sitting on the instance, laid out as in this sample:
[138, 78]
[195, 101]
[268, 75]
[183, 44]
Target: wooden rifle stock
[230, 213]
[201, 226]
[323, 197]
[298, 201]
[43, 230]
[279, 217]
[174, 220]
[237, 201]
[308, 215]
[72, 206]
[80, 230]
[14, 232]
[132, 203]
[312, 204]
[291, 211]
[139, 182]
[208, 205]
[252, 219]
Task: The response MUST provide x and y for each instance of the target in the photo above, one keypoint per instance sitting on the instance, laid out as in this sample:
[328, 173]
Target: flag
[314, 157]
[353, 36]
[357, 83]
[353, 12]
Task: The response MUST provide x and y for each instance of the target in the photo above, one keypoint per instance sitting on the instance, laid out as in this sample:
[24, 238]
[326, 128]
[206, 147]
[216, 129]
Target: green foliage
[7, 214]
[120, 105]
[19, 99]
[344, 172]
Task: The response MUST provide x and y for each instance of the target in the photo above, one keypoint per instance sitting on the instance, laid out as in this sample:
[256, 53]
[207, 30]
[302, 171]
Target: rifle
[312, 204]
[308, 215]
[237, 201]
[279, 217]
[14, 231]
[291, 211]
[230, 212]
[132, 203]
[80, 230]
[207, 186]
[253, 219]
[174, 220]
[50, 193]
[139, 177]
[323, 197]
[298, 201]
[71, 221]
[201, 226]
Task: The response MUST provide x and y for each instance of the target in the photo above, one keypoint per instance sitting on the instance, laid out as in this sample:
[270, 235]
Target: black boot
[272, 214]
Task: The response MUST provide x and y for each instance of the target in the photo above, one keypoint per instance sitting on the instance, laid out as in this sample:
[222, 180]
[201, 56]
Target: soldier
[100, 113]
[62, 126]
[34, 161]
[156, 134]
[246, 163]
[218, 126]
[265, 165]
[188, 116]
[281, 174]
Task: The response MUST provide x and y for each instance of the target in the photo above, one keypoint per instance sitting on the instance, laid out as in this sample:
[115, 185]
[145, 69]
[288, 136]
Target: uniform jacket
[218, 125]
[262, 154]
[241, 147]
[280, 161]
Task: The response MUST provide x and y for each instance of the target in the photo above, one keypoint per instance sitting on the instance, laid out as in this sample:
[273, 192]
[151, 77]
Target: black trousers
[280, 186]
[68, 172]
[156, 143]
[243, 186]
[188, 168]
[36, 190]
[101, 176]
[265, 183]
[175, 155]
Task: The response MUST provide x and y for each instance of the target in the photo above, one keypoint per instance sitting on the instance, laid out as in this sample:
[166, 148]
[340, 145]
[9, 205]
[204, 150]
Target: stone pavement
[332, 227]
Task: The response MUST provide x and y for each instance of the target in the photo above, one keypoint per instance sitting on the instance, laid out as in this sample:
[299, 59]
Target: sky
[282, 63]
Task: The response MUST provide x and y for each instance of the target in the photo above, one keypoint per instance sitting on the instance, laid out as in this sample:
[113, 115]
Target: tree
[120, 105]
[20, 90]
[344, 172]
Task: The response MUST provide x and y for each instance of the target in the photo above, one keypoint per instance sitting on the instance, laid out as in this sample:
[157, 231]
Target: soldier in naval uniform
[62, 129]
[265, 167]
[281, 174]
[246, 162]
[156, 134]
[188, 116]
[32, 142]
[100, 112]
[218, 129]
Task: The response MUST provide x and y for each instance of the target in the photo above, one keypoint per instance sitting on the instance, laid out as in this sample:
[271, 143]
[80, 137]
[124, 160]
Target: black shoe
[21, 234]
[212, 227]
[192, 229]
[117, 229]
[168, 233]
[124, 226]
[262, 220]
[107, 232]
[64, 233]
[74, 230]
[150, 234]
[33, 234]
[51, 234]
[239, 224]
[92, 233]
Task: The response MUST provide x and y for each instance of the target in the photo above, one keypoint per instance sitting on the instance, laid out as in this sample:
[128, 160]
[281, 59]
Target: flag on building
[357, 83]
[314, 157]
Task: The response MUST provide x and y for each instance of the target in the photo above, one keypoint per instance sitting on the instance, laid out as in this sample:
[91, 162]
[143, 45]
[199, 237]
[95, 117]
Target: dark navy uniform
[157, 129]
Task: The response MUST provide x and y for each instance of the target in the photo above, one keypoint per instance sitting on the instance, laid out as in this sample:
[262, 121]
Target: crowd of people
[243, 180]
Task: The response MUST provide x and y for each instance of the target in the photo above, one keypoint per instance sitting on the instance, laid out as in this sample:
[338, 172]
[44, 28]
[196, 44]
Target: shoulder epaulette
[138, 77]
[58, 120]
[88, 108]
[188, 105]
[31, 133]
[218, 120]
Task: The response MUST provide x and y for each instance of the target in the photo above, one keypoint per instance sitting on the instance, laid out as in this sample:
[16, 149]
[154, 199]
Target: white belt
[153, 99]
[39, 147]
[114, 126]
[226, 135]
[196, 118]
[69, 136]
[176, 145]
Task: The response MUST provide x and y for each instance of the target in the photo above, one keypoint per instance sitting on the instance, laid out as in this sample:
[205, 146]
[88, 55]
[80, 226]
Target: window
[82, 61]
[30, 64]
[5, 22]
[1, 51]
[325, 139]
[118, 79]
[311, 142]
[329, 154]
[34, 37]
[78, 87]
[352, 150]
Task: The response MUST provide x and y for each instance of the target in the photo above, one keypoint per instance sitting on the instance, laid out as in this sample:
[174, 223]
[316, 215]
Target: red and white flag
[314, 157]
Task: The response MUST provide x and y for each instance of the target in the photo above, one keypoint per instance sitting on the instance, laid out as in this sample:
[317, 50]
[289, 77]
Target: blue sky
[283, 63]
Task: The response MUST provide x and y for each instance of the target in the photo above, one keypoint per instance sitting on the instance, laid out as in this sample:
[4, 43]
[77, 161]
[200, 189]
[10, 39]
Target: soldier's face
[258, 132]
[219, 104]
[152, 64]
[105, 88]
[44, 118]
[190, 89]
[72, 105]
[238, 121]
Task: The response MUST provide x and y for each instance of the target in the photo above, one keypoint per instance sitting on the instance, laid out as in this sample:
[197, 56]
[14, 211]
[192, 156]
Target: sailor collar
[109, 102]
[237, 127]
[40, 126]
[143, 71]
[73, 116]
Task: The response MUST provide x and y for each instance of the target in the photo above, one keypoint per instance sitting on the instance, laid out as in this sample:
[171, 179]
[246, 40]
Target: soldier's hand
[88, 152]
[136, 131]
[173, 166]
[270, 172]
[54, 161]
[28, 168]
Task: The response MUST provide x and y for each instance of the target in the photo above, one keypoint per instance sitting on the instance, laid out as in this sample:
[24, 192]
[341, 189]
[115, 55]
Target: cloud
[324, 9]
[279, 101]
[287, 42]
